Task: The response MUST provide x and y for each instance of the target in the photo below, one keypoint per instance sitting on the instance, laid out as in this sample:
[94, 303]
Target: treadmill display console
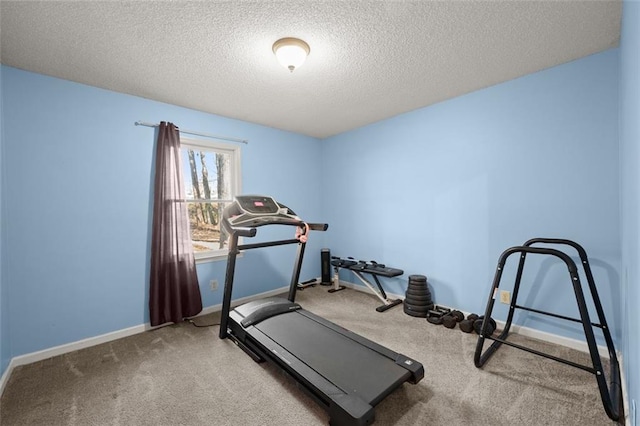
[257, 204]
[257, 210]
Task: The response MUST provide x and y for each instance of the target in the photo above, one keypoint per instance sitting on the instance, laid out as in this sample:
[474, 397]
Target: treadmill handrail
[244, 231]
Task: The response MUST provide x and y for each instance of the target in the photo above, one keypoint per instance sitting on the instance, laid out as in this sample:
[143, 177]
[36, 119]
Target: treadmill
[345, 373]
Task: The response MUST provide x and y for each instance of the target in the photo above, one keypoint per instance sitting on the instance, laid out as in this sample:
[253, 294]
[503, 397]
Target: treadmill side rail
[248, 350]
[416, 368]
[350, 410]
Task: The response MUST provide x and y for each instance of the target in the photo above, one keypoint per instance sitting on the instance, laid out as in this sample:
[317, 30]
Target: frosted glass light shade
[291, 52]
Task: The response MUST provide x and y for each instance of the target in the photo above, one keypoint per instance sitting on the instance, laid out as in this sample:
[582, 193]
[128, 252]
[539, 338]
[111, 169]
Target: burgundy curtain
[174, 292]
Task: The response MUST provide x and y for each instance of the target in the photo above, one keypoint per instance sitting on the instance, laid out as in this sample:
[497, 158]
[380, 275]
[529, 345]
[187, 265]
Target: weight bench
[373, 269]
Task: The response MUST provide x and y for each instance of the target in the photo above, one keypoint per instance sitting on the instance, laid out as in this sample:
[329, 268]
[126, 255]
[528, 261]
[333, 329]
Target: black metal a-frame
[610, 394]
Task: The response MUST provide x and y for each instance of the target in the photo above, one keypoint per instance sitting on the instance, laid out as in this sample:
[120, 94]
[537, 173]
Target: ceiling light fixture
[291, 52]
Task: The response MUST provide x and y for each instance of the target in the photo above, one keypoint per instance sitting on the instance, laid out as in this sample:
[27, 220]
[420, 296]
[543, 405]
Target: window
[212, 179]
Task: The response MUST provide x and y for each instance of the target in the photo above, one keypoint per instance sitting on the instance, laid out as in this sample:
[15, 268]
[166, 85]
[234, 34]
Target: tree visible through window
[212, 179]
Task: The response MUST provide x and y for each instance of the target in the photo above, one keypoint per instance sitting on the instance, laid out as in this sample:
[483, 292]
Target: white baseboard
[108, 337]
[625, 400]
[5, 377]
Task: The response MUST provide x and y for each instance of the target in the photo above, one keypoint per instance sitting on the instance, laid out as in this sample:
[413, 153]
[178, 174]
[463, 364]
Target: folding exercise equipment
[611, 395]
[375, 270]
[345, 373]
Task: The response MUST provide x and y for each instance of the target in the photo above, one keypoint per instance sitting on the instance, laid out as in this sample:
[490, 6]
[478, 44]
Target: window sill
[214, 257]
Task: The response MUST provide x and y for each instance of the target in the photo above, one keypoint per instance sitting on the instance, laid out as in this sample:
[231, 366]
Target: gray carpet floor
[183, 375]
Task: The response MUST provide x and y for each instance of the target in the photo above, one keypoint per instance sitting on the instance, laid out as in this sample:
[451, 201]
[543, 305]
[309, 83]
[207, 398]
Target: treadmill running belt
[352, 367]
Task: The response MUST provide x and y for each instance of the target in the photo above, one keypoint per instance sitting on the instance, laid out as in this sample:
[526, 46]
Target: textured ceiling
[369, 60]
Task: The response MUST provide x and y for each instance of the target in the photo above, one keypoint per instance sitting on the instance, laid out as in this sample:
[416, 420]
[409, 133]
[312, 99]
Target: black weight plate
[491, 327]
[419, 300]
[418, 290]
[417, 286]
[414, 313]
[418, 293]
[418, 308]
[418, 304]
[420, 278]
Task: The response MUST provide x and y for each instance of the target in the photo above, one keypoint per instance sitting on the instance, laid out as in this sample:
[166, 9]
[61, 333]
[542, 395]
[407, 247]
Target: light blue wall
[77, 204]
[443, 190]
[5, 355]
[630, 190]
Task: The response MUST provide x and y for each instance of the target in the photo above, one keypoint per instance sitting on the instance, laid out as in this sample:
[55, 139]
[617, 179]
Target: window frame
[235, 185]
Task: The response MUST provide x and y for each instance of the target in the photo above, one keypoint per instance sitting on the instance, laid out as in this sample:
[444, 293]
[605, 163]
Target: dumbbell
[467, 324]
[490, 328]
[435, 316]
[450, 319]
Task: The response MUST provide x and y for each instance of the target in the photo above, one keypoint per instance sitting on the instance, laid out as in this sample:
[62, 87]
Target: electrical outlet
[505, 296]
[213, 284]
